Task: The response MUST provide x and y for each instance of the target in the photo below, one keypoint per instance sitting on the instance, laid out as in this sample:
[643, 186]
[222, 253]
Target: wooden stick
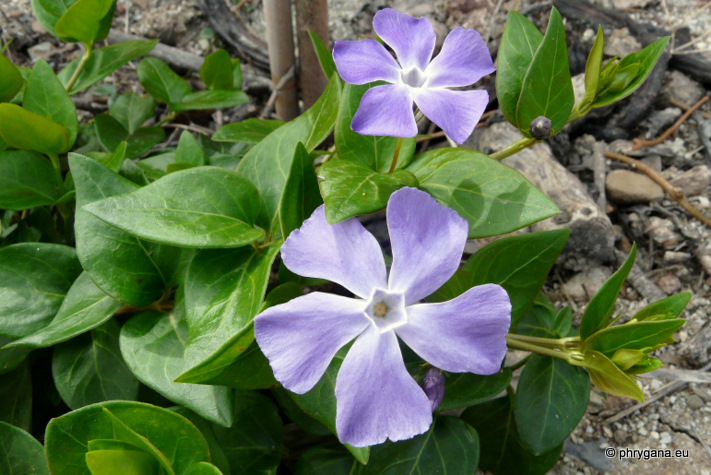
[684, 107]
[280, 40]
[640, 143]
[675, 193]
[311, 15]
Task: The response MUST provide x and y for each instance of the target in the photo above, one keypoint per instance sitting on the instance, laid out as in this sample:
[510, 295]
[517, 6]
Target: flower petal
[464, 60]
[386, 110]
[464, 335]
[344, 253]
[361, 62]
[427, 241]
[412, 39]
[376, 398]
[300, 337]
[455, 112]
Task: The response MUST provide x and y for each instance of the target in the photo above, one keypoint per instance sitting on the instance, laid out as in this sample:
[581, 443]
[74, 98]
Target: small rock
[654, 162]
[623, 4]
[654, 435]
[584, 285]
[621, 42]
[694, 402]
[701, 392]
[41, 51]
[626, 187]
[665, 438]
[669, 283]
[682, 88]
[662, 232]
[620, 436]
[693, 182]
[676, 257]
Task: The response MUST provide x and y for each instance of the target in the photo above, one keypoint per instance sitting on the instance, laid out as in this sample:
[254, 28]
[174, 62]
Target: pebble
[41, 51]
[584, 285]
[669, 283]
[620, 436]
[693, 182]
[627, 187]
[682, 88]
[694, 402]
[654, 435]
[662, 232]
[660, 119]
[665, 438]
[676, 257]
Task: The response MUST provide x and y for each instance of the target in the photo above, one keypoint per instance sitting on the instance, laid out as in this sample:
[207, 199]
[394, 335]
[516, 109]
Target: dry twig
[275, 93]
[640, 143]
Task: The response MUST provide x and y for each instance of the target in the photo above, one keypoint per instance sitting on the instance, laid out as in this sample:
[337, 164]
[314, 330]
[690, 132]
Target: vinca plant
[219, 307]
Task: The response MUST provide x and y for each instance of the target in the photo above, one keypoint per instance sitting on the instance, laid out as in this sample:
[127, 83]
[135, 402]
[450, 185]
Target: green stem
[57, 171]
[84, 58]
[517, 146]
[555, 353]
[559, 343]
[169, 117]
[395, 155]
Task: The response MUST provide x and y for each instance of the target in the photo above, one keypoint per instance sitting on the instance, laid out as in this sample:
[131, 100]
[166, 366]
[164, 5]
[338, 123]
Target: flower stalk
[393, 165]
[88, 48]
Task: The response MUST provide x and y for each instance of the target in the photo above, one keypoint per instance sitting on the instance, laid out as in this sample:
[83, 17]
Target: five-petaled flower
[376, 396]
[387, 110]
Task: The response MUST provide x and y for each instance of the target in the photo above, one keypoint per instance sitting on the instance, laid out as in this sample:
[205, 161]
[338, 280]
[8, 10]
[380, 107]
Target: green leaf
[10, 79]
[250, 131]
[670, 306]
[593, 66]
[26, 180]
[111, 134]
[323, 54]
[48, 12]
[518, 46]
[540, 320]
[21, 452]
[466, 389]
[189, 150]
[201, 207]
[10, 358]
[597, 313]
[34, 277]
[301, 196]
[161, 82]
[236, 74]
[637, 335]
[106, 252]
[132, 110]
[153, 344]
[16, 397]
[609, 378]
[266, 164]
[84, 308]
[551, 398]
[223, 293]
[547, 89]
[90, 369]
[500, 445]
[322, 461]
[645, 60]
[203, 468]
[494, 198]
[26, 130]
[373, 152]
[212, 99]
[216, 70]
[350, 189]
[83, 20]
[178, 443]
[126, 462]
[46, 97]
[104, 61]
[320, 403]
[450, 446]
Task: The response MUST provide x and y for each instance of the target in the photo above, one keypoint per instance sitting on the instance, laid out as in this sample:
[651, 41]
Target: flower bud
[433, 384]
[540, 127]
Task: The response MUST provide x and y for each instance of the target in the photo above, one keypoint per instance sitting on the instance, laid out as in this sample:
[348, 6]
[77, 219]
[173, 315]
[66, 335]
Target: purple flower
[387, 110]
[376, 396]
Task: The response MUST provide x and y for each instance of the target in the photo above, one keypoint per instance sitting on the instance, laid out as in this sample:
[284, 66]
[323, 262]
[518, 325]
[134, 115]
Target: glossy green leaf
[518, 46]
[450, 446]
[670, 306]
[466, 389]
[216, 70]
[638, 336]
[301, 196]
[46, 97]
[501, 448]
[250, 131]
[16, 397]
[540, 320]
[494, 198]
[20, 452]
[106, 252]
[126, 462]
[609, 378]
[26, 180]
[211, 99]
[201, 207]
[551, 398]
[90, 369]
[203, 468]
[593, 66]
[153, 346]
[34, 277]
[373, 152]
[350, 189]
[111, 134]
[317, 460]
[10, 79]
[296, 415]
[189, 150]
[103, 61]
[223, 293]
[161, 82]
[83, 20]
[48, 12]
[84, 308]
[10, 358]
[132, 110]
[547, 89]
[323, 54]
[172, 436]
[267, 164]
[597, 313]
[25, 130]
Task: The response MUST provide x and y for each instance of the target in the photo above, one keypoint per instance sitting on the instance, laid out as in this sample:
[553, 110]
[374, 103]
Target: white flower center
[413, 78]
[386, 310]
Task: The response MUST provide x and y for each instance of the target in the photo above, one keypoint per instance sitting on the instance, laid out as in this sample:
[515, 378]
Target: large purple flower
[376, 396]
[387, 110]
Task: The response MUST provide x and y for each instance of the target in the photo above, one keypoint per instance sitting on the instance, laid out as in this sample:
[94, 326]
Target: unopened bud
[540, 127]
[433, 384]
